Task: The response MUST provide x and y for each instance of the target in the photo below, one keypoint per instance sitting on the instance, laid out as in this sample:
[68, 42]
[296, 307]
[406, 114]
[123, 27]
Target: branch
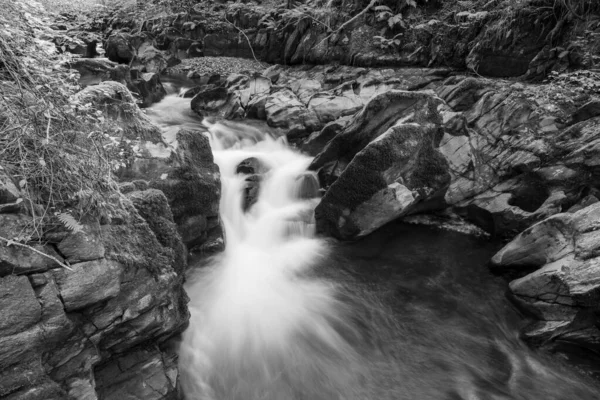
[345, 24]
[11, 242]
[247, 39]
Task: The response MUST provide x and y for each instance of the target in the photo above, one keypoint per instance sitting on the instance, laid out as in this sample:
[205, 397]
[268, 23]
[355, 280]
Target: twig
[247, 39]
[11, 242]
[345, 24]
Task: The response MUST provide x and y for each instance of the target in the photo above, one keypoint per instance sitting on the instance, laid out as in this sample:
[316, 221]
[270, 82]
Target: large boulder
[185, 171]
[388, 165]
[118, 104]
[119, 48]
[563, 292]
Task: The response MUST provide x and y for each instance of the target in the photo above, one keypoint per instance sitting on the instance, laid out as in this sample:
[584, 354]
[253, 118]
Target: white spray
[262, 325]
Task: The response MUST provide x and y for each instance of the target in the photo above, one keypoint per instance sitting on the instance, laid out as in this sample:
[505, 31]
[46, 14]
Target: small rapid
[263, 326]
[406, 313]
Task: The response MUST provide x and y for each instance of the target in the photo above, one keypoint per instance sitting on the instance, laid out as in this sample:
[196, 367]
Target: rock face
[65, 334]
[183, 168]
[514, 160]
[498, 40]
[389, 165]
[185, 171]
[562, 293]
[119, 105]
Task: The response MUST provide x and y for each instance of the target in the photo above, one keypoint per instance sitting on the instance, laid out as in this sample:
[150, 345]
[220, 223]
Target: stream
[408, 312]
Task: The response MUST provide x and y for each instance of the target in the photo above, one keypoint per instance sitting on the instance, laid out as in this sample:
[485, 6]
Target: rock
[95, 70]
[118, 104]
[119, 49]
[16, 260]
[257, 86]
[83, 246]
[210, 100]
[19, 308]
[154, 60]
[145, 375]
[392, 167]
[251, 166]
[256, 108]
[89, 283]
[305, 89]
[328, 108]
[251, 190]
[317, 141]
[562, 292]
[154, 207]
[187, 175]
[585, 112]
[150, 89]
[282, 107]
[284, 110]
[9, 192]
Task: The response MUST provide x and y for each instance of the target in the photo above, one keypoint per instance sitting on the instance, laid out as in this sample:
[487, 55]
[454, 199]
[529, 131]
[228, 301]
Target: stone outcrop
[185, 171]
[146, 86]
[498, 40]
[562, 291]
[118, 104]
[63, 331]
[387, 163]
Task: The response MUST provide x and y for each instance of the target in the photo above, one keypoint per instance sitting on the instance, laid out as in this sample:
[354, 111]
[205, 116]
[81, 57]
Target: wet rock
[19, 308]
[317, 141]
[328, 108]
[150, 89]
[89, 283]
[284, 110]
[210, 100]
[392, 166]
[587, 111]
[562, 292]
[146, 374]
[251, 166]
[119, 49]
[187, 175]
[251, 191]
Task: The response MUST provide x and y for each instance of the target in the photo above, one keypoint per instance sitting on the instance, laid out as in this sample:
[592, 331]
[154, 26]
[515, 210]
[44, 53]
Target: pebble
[218, 65]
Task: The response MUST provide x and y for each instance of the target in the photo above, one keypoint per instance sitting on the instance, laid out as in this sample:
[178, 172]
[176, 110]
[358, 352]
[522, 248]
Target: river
[409, 312]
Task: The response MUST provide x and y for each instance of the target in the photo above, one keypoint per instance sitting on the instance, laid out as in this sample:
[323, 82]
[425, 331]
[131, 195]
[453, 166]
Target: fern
[70, 222]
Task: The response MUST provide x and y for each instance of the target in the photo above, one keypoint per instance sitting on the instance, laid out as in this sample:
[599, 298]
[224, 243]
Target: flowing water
[407, 313]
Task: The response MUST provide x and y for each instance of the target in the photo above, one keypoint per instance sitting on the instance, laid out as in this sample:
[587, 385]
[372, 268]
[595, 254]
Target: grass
[52, 147]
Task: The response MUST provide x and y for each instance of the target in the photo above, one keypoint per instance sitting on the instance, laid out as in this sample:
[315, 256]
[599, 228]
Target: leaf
[22, 183]
[383, 8]
[70, 222]
[164, 176]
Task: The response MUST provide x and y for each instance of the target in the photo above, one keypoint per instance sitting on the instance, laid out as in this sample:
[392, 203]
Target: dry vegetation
[54, 148]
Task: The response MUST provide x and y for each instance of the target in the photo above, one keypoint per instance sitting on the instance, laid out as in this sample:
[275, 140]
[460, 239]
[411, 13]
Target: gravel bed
[218, 65]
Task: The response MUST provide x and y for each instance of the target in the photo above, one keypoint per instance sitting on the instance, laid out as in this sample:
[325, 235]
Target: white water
[434, 325]
[262, 325]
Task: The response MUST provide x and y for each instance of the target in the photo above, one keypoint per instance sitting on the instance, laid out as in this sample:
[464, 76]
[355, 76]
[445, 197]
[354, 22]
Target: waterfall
[263, 324]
